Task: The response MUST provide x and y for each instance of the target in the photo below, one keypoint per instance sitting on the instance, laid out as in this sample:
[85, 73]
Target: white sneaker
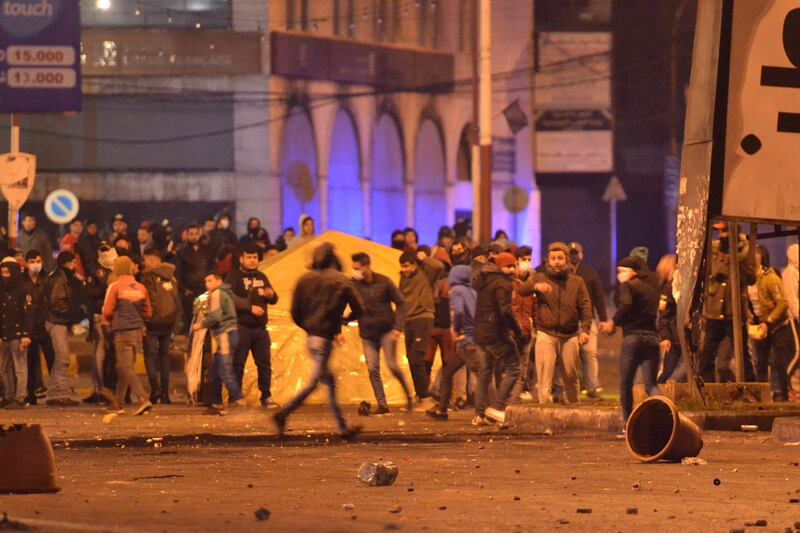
[496, 415]
[481, 421]
[526, 396]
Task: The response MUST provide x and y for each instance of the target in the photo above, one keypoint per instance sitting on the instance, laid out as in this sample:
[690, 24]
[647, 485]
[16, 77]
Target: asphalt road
[453, 477]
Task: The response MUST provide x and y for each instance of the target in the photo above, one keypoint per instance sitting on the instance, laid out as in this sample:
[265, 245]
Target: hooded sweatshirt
[637, 302]
[221, 316]
[127, 303]
[418, 289]
[462, 301]
[162, 278]
[250, 288]
[322, 295]
[494, 318]
[791, 280]
[16, 309]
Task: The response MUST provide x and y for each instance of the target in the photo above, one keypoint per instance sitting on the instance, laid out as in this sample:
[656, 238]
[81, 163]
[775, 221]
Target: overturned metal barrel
[656, 431]
[27, 461]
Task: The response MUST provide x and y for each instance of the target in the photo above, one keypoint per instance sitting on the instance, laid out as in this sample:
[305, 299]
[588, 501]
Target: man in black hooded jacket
[16, 321]
[320, 299]
[496, 334]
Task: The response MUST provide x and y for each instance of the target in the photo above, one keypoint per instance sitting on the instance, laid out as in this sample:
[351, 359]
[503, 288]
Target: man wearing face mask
[256, 235]
[16, 321]
[36, 290]
[460, 252]
[497, 334]
[379, 326]
[523, 307]
[636, 299]
[59, 318]
[222, 235]
[563, 322]
[589, 364]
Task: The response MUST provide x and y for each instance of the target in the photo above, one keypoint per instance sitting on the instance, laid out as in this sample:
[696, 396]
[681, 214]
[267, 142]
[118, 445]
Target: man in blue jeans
[221, 320]
[636, 299]
[318, 306]
[380, 326]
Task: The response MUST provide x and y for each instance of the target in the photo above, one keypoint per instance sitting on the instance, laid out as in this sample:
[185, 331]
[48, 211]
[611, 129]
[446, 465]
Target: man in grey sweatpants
[563, 321]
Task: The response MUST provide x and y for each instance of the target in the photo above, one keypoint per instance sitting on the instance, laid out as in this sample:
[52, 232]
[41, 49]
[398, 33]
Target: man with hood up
[16, 322]
[318, 305]
[158, 278]
[462, 305]
[636, 298]
[563, 320]
[127, 307]
[497, 333]
[35, 282]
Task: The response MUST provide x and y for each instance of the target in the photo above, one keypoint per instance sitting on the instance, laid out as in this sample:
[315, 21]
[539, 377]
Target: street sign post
[61, 206]
[614, 193]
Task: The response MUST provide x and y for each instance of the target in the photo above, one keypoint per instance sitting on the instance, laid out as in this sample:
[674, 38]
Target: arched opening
[345, 205]
[430, 185]
[388, 195]
[299, 172]
[463, 184]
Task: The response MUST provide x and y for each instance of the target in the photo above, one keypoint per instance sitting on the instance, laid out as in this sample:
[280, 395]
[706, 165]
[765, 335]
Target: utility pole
[614, 193]
[13, 212]
[482, 117]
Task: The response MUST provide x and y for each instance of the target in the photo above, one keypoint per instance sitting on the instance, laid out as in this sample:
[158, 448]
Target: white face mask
[35, 269]
[524, 266]
[358, 275]
[624, 275]
[223, 224]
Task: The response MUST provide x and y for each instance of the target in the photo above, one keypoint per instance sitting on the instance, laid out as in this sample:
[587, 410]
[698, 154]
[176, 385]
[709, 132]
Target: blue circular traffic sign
[61, 206]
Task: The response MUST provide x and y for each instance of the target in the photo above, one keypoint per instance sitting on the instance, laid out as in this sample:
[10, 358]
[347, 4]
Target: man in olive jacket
[563, 321]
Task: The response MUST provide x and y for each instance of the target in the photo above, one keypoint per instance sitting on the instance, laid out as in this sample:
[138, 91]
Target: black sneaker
[436, 414]
[165, 400]
[41, 392]
[62, 402]
[349, 434]
[380, 410]
[93, 398]
[154, 398]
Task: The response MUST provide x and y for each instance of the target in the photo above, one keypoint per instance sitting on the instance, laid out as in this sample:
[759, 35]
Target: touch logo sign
[26, 18]
[61, 206]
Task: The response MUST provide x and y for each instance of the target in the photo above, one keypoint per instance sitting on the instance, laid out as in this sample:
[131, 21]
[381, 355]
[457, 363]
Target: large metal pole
[475, 150]
[13, 214]
[736, 301]
[482, 180]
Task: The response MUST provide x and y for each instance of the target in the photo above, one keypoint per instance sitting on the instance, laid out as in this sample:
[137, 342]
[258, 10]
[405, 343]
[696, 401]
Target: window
[162, 14]
[195, 133]
[304, 15]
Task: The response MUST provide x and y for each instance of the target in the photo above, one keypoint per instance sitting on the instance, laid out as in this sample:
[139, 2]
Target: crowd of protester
[505, 329]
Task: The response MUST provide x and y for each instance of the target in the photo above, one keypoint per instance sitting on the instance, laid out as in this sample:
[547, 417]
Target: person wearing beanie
[563, 322]
[418, 276]
[589, 363]
[636, 299]
[59, 315]
[496, 335]
[126, 307]
[16, 322]
[98, 278]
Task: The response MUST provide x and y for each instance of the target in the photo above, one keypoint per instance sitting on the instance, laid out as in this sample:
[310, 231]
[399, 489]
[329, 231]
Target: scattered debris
[717, 482]
[549, 431]
[749, 428]
[677, 491]
[573, 478]
[517, 498]
[349, 506]
[378, 474]
[517, 471]
[442, 507]
[390, 527]
[737, 530]
[249, 485]
[107, 419]
[794, 500]
[563, 521]
[756, 523]
[364, 408]
[395, 509]
[637, 486]
[695, 461]
[584, 511]
[262, 514]
[632, 510]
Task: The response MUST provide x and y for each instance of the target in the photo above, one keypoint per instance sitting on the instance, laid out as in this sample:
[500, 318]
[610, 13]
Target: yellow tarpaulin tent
[290, 362]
